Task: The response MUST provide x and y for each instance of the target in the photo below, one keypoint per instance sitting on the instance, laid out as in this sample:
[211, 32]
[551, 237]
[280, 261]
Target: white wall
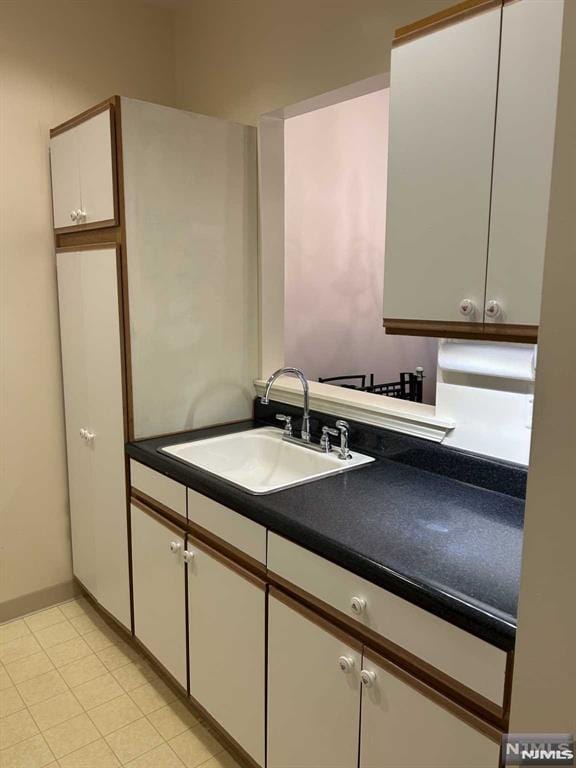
[544, 682]
[335, 208]
[57, 59]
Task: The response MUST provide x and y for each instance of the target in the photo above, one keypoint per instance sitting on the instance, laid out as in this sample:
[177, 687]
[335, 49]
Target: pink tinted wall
[335, 165]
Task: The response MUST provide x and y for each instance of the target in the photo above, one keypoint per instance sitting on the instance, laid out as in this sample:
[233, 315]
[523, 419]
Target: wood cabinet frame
[527, 334]
[485, 713]
[111, 105]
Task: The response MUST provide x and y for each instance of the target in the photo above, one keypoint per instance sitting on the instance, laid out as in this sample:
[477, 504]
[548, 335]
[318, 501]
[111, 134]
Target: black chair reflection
[409, 386]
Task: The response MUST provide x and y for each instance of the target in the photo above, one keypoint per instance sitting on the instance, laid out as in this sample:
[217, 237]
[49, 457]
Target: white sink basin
[259, 461]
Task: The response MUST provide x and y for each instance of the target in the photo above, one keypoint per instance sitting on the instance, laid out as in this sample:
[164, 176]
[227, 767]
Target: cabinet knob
[467, 307]
[368, 678]
[80, 214]
[188, 556]
[89, 436]
[83, 434]
[175, 546]
[346, 663]
[493, 309]
[73, 215]
[358, 605]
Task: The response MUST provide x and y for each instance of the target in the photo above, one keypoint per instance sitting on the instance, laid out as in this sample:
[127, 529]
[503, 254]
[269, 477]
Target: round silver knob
[358, 605]
[175, 546]
[368, 678]
[83, 434]
[493, 309]
[467, 307]
[80, 214]
[73, 215]
[346, 663]
[188, 556]
[89, 436]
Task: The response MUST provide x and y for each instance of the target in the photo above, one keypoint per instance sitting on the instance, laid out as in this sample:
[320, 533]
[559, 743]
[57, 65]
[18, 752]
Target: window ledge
[391, 413]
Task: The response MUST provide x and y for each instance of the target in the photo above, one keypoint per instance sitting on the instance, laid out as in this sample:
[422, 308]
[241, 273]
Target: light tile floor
[73, 694]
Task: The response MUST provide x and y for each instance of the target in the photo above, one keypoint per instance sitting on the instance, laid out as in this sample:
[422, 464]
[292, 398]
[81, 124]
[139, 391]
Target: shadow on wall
[336, 173]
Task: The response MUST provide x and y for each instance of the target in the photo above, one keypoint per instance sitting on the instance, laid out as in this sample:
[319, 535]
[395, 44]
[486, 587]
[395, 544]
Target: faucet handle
[288, 423]
[325, 439]
[344, 428]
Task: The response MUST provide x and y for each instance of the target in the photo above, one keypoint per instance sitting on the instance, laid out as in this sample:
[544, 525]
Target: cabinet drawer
[158, 487]
[467, 659]
[233, 528]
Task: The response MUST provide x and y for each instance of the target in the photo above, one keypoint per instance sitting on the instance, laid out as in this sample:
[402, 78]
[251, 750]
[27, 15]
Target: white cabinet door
[313, 704]
[93, 394]
[83, 178]
[96, 168]
[403, 728]
[227, 637]
[442, 112]
[524, 144]
[65, 172]
[75, 379]
[159, 591]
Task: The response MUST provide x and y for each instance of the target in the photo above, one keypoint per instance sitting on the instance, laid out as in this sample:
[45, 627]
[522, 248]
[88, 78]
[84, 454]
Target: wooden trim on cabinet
[442, 19]
[102, 106]
[492, 732]
[158, 511]
[435, 678]
[527, 334]
[320, 621]
[121, 214]
[87, 247]
[76, 240]
[508, 685]
[433, 328]
[104, 224]
[227, 550]
[233, 565]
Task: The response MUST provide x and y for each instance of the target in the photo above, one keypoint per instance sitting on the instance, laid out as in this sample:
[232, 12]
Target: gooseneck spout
[265, 399]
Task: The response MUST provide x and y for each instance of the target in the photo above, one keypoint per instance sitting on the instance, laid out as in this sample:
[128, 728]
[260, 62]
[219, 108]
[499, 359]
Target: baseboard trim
[37, 601]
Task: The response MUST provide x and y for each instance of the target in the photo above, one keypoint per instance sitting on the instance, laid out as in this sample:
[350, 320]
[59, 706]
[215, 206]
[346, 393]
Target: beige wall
[241, 58]
[58, 57]
[335, 164]
[544, 693]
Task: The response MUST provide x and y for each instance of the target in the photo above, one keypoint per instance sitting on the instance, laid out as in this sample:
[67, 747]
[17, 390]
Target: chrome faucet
[265, 399]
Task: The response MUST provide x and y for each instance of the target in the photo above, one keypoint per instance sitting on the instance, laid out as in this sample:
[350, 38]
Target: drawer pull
[188, 556]
[368, 678]
[346, 663]
[175, 546]
[358, 605]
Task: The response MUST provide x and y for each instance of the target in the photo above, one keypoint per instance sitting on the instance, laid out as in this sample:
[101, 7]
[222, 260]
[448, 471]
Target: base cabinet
[227, 637]
[329, 701]
[159, 589]
[313, 693]
[402, 728]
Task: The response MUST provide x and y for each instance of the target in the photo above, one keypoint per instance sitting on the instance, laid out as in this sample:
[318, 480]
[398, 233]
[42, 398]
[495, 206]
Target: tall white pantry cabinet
[155, 228]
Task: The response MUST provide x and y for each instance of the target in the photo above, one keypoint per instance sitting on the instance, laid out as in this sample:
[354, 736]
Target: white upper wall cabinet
[472, 120]
[83, 179]
[527, 96]
[442, 106]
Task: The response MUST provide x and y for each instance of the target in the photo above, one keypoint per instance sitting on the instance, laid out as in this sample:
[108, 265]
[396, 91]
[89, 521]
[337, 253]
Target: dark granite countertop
[448, 546]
